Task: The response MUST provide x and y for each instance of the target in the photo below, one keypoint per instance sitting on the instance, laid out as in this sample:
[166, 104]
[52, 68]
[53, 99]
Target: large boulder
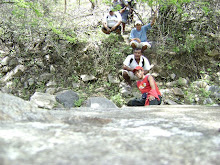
[100, 103]
[14, 108]
[43, 100]
[67, 98]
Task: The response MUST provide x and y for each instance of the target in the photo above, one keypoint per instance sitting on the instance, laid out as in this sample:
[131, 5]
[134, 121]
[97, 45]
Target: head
[138, 25]
[111, 11]
[139, 72]
[137, 53]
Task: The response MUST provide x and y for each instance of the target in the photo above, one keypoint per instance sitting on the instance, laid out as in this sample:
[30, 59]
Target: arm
[152, 85]
[154, 19]
[104, 23]
[127, 68]
[146, 72]
[137, 39]
[118, 23]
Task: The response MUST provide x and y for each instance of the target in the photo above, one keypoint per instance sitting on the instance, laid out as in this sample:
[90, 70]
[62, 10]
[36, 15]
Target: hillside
[44, 48]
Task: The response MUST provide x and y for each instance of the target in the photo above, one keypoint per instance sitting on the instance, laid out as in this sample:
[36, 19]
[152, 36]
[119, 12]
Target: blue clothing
[142, 34]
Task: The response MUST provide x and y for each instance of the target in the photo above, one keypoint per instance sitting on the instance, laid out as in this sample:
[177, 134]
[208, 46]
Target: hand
[108, 29]
[113, 28]
[151, 98]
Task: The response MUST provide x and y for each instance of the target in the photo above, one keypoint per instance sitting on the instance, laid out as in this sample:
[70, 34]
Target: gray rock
[16, 72]
[166, 91]
[86, 78]
[31, 81]
[13, 62]
[208, 101]
[100, 103]
[5, 61]
[182, 82]
[126, 92]
[43, 100]
[200, 84]
[51, 84]
[169, 102]
[214, 53]
[75, 85]
[214, 89]
[45, 77]
[172, 76]
[171, 84]
[113, 80]
[51, 91]
[178, 92]
[52, 69]
[67, 98]
[100, 89]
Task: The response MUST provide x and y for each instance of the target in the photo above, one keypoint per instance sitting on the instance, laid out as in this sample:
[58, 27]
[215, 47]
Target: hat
[137, 68]
[111, 9]
[138, 22]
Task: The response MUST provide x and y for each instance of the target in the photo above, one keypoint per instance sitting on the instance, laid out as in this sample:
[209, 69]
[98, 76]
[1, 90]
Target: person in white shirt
[131, 62]
[111, 22]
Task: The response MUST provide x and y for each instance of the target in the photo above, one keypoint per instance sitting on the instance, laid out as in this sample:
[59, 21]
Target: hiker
[138, 36]
[131, 61]
[111, 22]
[124, 11]
[149, 89]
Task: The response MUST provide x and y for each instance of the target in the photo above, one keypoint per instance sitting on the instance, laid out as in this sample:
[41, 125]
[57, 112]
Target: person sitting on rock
[149, 89]
[131, 61]
[138, 36]
[111, 22]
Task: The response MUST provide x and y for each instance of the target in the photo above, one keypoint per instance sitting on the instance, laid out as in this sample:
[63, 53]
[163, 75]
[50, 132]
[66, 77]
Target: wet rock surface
[139, 135]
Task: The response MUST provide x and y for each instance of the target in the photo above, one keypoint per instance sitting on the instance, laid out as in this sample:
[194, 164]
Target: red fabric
[152, 92]
[144, 86]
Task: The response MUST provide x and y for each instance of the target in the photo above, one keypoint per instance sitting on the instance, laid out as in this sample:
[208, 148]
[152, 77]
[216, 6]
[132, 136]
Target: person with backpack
[149, 89]
[111, 22]
[138, 36]
[131, 62]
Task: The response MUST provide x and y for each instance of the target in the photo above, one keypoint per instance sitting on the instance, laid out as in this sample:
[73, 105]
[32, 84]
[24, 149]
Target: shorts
[118, 27]
[140, 45]
[131, 75]
[124, 16]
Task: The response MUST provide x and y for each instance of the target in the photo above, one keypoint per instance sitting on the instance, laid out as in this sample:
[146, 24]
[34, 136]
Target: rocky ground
[154, 135]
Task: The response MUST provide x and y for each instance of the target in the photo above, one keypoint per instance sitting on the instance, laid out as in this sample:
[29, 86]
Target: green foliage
[79, 102]
[118, 100]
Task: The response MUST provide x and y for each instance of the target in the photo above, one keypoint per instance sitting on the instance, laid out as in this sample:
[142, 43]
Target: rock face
[99, 102]
[138, 135]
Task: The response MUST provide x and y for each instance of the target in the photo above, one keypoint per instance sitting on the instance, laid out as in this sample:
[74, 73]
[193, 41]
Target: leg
[118, 29]
[145, 45]
[136, 102]
[104, 30]
[123, 27]
[155, 101]
[126, 77]
[134, 44]
[143, 48]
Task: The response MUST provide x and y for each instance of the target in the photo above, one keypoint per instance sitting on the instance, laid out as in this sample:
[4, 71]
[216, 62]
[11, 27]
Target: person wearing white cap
[111, 22]
[138, 36]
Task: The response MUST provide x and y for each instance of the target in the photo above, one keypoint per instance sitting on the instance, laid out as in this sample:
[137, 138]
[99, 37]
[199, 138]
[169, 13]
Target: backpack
[142, 62]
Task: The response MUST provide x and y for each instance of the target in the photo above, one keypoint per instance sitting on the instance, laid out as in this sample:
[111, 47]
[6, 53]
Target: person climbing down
[131, 61]
[149, 89]
[138, 36]
[111, 22]
[124, 11]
